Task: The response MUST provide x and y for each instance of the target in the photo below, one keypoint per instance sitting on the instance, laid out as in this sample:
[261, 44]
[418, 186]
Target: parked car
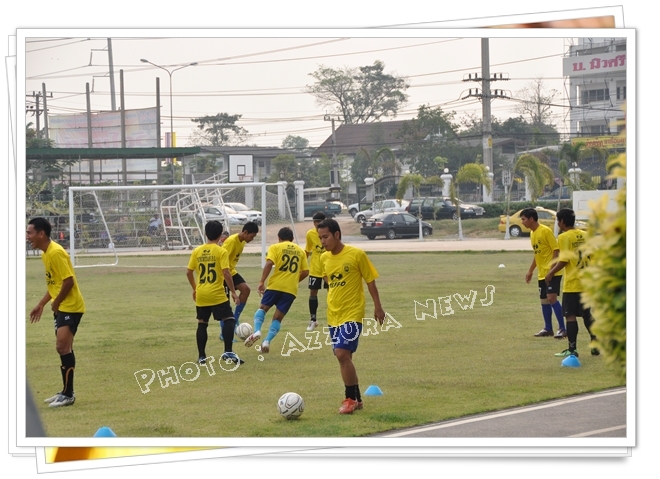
[384, 206]
[356, 207]
[441, 207]
[329, 208]
[393, 225]
[221, 213]
[252, 215]
[564, 191]
[546, 217]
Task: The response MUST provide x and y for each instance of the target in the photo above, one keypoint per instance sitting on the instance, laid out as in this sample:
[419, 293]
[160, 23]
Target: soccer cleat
[252, 338]
[63, 401]
[595, 352]
[567, 352]
[265, 346]
[201, 360]
[53, 399]
[312, 325]
[561, 333]
[360, 405]
[348, 406]
[543, 333]
[231, 357]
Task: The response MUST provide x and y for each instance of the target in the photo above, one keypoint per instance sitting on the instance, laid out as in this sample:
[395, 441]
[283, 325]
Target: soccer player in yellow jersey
[571, 261]
[211, 263]
[314, 250]
[67, 304]
[289, 263]
[234, 245]
[546, 250]
[345, 267]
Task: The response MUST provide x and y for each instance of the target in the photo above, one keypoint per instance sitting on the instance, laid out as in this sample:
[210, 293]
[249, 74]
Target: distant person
[571, 261]
[234, 245]
[67, 304]
[546, 250]
[345, 268]
[154, 225]
[315, 281]
[289, 263]
[210, 261]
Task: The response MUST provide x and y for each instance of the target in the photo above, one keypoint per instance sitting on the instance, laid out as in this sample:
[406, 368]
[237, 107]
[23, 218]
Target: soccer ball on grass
[290, 405]
[243, 330]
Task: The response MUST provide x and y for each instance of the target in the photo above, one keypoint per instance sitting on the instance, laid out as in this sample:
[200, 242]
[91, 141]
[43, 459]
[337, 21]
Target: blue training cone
[373, 390]
[105, 431]
[571, 362]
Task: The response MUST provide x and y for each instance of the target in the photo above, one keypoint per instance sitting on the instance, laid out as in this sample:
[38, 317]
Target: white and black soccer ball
[243, 330]
[290, 405]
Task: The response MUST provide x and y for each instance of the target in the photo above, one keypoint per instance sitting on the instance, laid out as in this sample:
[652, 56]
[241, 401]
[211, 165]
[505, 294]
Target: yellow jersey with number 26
[289, 260]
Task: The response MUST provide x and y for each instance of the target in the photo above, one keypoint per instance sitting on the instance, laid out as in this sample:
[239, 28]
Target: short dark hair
[332, 226]
[318, 216]
[251, 227]
[530, 213]
[213, 230]
[285, 234]
[41, 224]
[567, 216]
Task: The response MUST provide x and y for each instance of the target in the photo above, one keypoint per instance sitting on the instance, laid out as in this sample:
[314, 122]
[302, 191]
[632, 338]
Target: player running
[314, 250]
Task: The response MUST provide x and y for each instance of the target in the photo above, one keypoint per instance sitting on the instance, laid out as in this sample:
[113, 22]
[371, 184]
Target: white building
[595, 69]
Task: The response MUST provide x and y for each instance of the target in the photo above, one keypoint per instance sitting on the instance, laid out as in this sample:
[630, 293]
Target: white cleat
[312, 326]
[265, 346]
[252, 338]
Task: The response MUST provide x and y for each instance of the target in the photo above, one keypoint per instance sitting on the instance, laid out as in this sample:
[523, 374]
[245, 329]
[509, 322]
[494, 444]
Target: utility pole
[335, 186]
[37, 110]
[113, 102]
[486, 95]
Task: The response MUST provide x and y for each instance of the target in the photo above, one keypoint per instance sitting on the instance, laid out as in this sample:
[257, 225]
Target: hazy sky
[263, 79]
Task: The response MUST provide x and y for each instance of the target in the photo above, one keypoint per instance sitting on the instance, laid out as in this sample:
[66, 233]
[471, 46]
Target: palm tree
[391, 165]
[536, 172]
[468, 173]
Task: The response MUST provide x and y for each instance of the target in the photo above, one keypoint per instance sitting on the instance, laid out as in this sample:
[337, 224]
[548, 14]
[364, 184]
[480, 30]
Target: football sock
[68, 366]
[547, 316]
[358, 396]
[558, 313]
[259, 319]
[202, 338]
[237, 312]
[313, 306]
[350, 392]
[572, 332]
[588, 321]
[274, 329]
[228, 334]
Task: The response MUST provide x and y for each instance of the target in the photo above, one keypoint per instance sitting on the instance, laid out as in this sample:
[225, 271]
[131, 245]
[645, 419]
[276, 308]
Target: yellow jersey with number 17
[570, 243]
[209, 260]
[289, 260]
[345, 272]
[314, 246]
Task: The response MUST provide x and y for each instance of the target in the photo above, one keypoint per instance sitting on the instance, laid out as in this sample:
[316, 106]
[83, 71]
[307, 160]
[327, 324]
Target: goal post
[105, 221]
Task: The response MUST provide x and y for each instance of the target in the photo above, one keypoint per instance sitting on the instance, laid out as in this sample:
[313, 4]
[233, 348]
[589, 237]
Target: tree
[285, 164]
[218, 130]
[468, 173]
[517, 128]
[536, 173]
[536, 102]
[39, 169]
[365, 159]
[297, 143]
[361, 95]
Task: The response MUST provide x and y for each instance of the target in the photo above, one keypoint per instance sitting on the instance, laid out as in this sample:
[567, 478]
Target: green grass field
[141, 317]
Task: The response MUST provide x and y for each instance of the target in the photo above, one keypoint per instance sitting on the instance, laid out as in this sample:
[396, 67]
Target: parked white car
[252, 215]
[385, 206]
[221, 213]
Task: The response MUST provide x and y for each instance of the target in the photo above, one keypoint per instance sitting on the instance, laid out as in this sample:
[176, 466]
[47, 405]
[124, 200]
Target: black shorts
[72, 320]
[314, 282]
[553, 288]
[237, 279]
[571, 305]
[219, 311]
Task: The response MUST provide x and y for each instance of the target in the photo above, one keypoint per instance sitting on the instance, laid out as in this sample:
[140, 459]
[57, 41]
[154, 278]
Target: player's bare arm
[35, 314]
[262, 283]
[379, 313]
[190, 274]
[557, 267]
[532, 267]
[303, 275]
[229, 281]
[67, 286]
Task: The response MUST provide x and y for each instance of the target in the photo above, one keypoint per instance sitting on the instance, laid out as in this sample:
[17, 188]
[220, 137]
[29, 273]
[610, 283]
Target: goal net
[108, 222]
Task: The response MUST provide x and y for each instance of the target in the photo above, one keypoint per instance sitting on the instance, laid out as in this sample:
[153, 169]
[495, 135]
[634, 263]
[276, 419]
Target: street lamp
[169, 72]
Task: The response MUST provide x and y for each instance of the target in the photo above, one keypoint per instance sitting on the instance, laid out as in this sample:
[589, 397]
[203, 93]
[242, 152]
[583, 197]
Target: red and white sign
[590, 64]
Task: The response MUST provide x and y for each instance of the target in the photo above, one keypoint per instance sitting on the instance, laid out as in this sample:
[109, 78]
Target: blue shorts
[346, 336]
[281, 300]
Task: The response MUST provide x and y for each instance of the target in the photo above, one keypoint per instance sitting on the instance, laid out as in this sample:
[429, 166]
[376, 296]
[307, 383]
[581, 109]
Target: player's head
[329, 234]
[566, 216]
[285, 234]
[38, 232]
[249, 231]
[529, 213]
[317, 218]
[213, 230]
